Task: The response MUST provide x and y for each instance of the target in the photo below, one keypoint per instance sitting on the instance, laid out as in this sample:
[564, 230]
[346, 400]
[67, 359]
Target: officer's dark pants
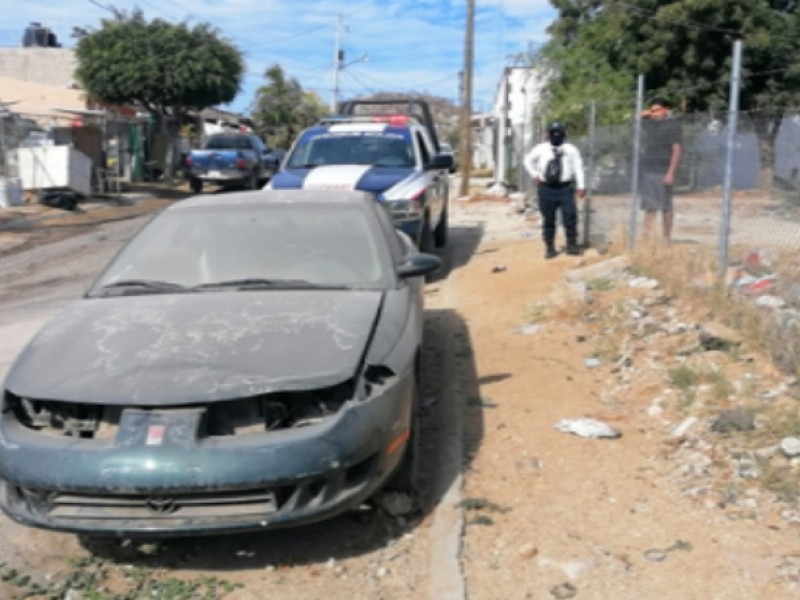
[551, 199]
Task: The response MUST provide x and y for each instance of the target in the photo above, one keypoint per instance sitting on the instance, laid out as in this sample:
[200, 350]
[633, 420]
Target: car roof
[260, 197]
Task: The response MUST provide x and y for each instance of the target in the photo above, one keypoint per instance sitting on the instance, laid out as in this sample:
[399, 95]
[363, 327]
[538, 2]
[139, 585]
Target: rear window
[228, 142]
[380, 149]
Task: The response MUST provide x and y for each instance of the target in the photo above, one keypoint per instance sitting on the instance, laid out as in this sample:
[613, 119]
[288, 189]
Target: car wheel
[196, 185]
[440, 234]
[426, 241]
[252, 181]
[406, 478]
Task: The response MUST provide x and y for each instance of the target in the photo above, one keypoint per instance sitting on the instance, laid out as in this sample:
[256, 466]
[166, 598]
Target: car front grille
[200, 506]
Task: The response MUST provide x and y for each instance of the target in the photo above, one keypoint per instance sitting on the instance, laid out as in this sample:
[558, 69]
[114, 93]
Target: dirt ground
[568, 516]
[541, 513]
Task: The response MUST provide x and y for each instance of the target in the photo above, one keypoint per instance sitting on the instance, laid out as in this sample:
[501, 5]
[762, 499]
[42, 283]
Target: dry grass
[691, 272]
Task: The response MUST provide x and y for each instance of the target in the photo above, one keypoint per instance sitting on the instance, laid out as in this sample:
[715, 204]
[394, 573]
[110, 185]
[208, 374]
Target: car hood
[186, 348]
[364, 178]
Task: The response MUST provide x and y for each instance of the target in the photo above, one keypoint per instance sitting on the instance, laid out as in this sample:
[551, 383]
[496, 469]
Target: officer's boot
[550, 252]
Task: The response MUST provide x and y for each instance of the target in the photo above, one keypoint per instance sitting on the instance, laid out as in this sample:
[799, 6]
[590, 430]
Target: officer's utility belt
[558, 186]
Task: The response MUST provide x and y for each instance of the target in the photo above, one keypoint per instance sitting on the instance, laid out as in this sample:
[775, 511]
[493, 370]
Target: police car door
[436, 180]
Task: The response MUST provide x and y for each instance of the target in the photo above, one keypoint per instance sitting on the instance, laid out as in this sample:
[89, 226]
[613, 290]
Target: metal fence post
[733, 114]
[587, 199]
[635, 167]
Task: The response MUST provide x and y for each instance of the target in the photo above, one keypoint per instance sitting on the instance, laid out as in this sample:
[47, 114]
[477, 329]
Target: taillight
[188, 161]
[241, 164]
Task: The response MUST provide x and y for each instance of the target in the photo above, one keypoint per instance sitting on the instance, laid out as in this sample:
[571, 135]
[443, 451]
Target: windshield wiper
[257, 283]
[141, 286]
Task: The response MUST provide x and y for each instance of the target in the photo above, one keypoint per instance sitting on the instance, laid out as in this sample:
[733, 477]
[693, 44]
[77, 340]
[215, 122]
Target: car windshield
[273, 246]
[228, 142]
[379, 149]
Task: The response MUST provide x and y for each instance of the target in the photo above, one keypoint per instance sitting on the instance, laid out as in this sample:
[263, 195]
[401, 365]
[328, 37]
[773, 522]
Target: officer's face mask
[557, 137]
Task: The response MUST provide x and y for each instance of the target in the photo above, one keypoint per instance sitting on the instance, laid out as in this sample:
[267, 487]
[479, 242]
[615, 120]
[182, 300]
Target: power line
[310, 30]
[364, 85]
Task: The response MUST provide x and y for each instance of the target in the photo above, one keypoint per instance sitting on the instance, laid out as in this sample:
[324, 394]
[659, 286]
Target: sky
[389, 45]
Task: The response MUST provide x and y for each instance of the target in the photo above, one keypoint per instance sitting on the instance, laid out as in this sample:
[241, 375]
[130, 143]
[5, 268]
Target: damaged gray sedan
[244, 362]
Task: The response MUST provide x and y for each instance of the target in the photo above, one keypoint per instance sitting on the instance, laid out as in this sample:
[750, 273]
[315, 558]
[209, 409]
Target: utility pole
[465, 159]
[501, 157]
[338, 56]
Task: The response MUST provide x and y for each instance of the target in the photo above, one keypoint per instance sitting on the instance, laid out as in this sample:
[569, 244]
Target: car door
[436, 180]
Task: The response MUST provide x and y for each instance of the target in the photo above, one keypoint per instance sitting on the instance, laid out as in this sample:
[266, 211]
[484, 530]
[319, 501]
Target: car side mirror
[440, 162]
[418, 264]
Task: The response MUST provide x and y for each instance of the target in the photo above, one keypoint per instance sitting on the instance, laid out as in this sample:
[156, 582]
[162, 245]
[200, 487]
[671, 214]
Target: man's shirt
[571, 163]
[658, 139]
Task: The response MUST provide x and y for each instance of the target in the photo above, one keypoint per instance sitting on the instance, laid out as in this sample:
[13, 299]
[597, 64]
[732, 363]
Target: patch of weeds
[482, 504]
[782, 481]
[480, 520]
[683, 377]
[779, 422]
[721, 386]
[602, 284]
[536, 313]
[88, 577]
[686, 400]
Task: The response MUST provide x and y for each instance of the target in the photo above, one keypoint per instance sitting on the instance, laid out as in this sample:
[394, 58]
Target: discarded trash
[64, 200]
[591, 363]
[529, 329]
[768, 301]
[682, 429]
[790, 446]
[587, 428]
[562, 591]
[499, 268]
[761, 285]
[643, 283]
[659, 554]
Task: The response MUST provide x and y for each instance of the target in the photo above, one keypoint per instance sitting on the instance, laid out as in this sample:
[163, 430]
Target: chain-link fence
[765, 181]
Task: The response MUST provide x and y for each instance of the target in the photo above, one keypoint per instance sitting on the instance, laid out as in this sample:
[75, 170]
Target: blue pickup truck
[394, 155]
[231, 159]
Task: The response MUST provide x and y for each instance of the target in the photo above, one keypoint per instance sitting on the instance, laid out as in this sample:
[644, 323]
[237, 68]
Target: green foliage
[683, 377]
[167, 68]
[283, 109]
[682, 47]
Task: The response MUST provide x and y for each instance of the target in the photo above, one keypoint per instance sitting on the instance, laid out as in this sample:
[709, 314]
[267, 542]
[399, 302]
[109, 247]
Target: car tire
[196, 185]
[441, 232]
[252, 181]
[426, 241]
[405, 479]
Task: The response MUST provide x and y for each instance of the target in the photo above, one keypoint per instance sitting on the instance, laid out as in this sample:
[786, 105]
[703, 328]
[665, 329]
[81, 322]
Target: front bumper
[223, 175]
[249, 482]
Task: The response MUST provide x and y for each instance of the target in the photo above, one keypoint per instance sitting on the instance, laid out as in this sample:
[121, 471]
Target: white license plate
[215, 173]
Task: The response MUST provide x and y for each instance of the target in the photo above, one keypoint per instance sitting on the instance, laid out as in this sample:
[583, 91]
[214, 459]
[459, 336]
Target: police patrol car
[394, 156]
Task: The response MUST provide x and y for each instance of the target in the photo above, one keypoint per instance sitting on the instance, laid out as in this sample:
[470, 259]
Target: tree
[283, 109]
[166, 68]
[683, 47]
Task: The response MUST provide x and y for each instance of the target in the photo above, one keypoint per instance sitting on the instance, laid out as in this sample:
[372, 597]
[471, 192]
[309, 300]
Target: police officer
[557, 171]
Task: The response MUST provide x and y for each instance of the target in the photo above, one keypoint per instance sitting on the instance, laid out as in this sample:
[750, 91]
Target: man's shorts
[655, 195]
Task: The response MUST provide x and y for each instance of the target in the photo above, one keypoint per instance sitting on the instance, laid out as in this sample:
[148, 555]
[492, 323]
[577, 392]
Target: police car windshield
[378, 149]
